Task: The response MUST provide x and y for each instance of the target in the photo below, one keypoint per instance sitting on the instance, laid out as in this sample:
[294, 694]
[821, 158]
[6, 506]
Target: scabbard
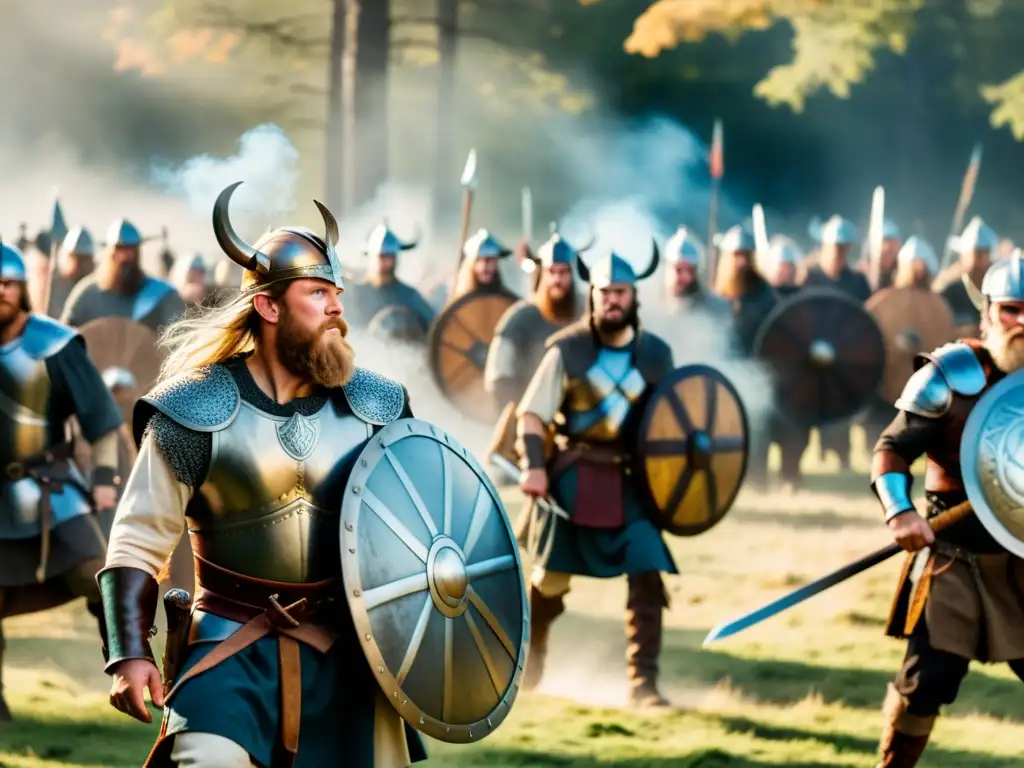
[178, 607]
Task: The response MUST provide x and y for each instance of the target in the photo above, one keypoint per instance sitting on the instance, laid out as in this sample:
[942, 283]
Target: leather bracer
[129, 606]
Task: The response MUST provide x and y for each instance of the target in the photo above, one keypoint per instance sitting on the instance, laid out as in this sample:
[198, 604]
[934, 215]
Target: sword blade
[747, 620]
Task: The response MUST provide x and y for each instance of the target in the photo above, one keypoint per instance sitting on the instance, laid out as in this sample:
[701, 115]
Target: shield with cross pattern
[691, 451]
[434, 582]
[457, 351]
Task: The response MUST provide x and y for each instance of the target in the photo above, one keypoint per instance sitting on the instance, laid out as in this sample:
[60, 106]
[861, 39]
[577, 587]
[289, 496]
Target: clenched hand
[127, 693]
[911, 531]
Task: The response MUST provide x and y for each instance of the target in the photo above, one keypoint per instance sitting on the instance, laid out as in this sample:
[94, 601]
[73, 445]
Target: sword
[731, 627]
[963, 203]
[876, 237]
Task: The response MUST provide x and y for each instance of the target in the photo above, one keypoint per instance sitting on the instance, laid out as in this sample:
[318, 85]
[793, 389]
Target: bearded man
[249, 439]
[385, 300]
[592, 380]
[52, 521]
[961, 596]
[189, 277]
[480, 270]
[519, 338]
[974, 248]
[119, 287]
[684, 256]
[838, 236]
[74, 262]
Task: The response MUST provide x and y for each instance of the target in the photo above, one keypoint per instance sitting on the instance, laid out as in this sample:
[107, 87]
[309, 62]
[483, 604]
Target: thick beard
[736, 283]
[125, 278]
[561, 310]
[324, 359]
[607, 325]
[1007, 355]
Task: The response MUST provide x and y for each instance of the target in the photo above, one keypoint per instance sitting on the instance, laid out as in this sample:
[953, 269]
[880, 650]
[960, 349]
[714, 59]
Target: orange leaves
[667, 23]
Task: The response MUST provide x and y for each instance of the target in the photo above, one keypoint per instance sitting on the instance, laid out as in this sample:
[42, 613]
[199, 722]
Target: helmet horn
[414, 242]
[655, 258]
[583, 269]
[235, 247]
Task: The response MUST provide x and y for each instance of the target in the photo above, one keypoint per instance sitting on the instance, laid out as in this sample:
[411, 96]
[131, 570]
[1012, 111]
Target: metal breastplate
[274, 489]
[26, 429]
[597, 403]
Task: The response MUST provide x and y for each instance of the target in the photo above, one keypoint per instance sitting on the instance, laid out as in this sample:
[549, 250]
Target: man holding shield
[961, 596]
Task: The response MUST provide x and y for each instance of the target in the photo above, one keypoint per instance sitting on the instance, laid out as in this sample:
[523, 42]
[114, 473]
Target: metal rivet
[471, 734]
[355, 489]
[422, 720]
[404, 702]
[489, 723]
[363, 462]
[381, 670]
[351, 551]
[348, 526]
[355, 593]
[448, 729]
[369, 637]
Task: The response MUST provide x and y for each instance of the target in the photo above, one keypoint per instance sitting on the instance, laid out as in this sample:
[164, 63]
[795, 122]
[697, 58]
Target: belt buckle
[15, 471]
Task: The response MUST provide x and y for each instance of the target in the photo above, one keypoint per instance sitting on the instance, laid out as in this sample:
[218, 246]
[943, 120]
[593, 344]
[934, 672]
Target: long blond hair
[207, 335]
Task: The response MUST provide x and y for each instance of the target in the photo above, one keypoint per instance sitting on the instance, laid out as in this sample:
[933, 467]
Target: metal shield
[692, 449]
[992, 461]
[397, 323]
[434, 582]
[459, 340]
[912, 321]
[117, 342]
[826, 354]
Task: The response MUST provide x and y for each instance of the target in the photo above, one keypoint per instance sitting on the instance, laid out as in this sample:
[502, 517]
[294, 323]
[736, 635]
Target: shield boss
[459, 340]
[992, 461]
[434, 582]
[913, 321]
[117, 342]
[692, 449]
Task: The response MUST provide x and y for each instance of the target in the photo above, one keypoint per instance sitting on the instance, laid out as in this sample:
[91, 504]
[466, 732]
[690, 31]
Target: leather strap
[291, 697]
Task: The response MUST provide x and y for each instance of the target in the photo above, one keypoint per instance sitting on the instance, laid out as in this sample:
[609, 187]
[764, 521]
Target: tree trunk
[371, 99]
[445, 164]
[348, 80]
[334, 136]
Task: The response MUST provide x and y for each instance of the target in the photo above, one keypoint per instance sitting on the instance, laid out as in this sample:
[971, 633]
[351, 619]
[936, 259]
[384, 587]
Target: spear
[966, 194]
[468, 182]
[876, 237]
[58, 231]
[716, 164]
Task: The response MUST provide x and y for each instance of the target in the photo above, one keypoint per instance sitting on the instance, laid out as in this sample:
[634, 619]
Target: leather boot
[5, 713]
[543, 611]
[644, 608]
[904, 736]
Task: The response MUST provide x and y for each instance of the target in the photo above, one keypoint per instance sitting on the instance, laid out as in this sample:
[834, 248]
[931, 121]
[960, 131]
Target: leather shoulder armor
[43, 337]
[205, 400]
[151, 293]
[952, 369]
[374, 398]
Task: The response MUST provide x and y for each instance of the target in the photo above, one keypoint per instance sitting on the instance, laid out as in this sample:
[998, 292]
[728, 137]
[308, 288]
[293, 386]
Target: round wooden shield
[826, 355]
[458, 344]
[692, 449]
[117, 342]
[912, 320]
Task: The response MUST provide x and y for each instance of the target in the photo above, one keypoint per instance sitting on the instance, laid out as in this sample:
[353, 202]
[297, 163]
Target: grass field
[802, 690]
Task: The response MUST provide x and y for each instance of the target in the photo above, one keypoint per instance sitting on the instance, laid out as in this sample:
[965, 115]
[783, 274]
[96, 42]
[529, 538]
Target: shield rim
[434, 343]
[806, 295]
[447, 732]
[969, 467]
[668, 382]
[885, 295]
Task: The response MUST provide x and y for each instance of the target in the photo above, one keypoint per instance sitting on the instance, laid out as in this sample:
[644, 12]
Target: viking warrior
[385, 300]
[685, 293]
[586, 391]
[960, 597]
[227, 277]
[480, 270]
[74, 262]
[782, 266]
[974, 248]
[51, 540]
[838, 236]
[519, 339]
[248, 440]
[119, 287]
[742, 285]
[188, 276]
[887, 257]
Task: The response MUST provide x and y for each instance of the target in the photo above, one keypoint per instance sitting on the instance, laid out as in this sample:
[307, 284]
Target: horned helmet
[612, 269]
[383, 242]
[285, 253]
[684, 248]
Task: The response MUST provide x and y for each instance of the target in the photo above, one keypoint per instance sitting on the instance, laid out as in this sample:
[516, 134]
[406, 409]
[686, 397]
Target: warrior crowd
[550, 364]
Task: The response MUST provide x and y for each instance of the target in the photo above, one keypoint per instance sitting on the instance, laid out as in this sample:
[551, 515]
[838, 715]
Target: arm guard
[129, 607]
[893, 491]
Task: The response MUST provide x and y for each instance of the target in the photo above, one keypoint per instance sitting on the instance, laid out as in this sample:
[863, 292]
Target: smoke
[266, 162]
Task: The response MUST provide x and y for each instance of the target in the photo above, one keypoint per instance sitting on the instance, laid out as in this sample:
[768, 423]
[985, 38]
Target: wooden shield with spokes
[458, 345]
[117, 342]
[692, 449]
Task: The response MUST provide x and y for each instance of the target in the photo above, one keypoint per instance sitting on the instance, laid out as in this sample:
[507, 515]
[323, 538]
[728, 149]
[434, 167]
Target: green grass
[802, 690]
